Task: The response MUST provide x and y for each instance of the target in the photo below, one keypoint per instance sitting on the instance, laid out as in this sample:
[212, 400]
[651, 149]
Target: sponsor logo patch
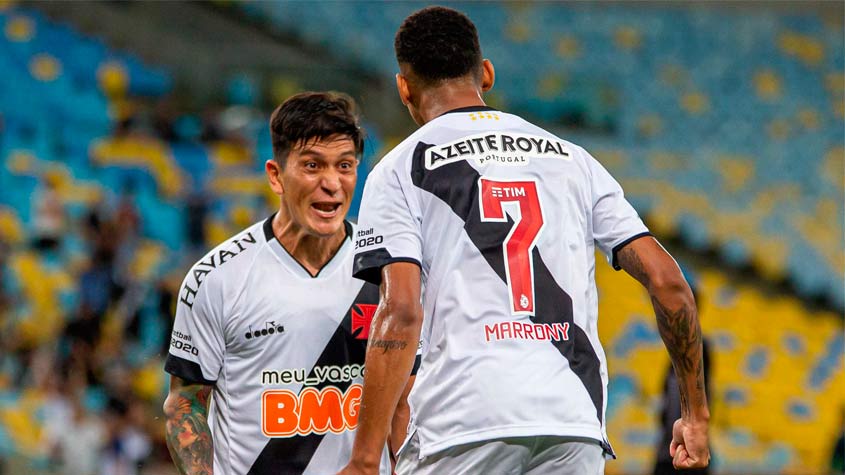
[312, 411]
[502, 148]
[322, 374]
[362, 319]
[213, 260]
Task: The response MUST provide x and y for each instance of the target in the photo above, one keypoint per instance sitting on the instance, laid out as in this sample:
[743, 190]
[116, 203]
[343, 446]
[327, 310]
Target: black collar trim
[268, 233]
[268, 228]
[469, 109]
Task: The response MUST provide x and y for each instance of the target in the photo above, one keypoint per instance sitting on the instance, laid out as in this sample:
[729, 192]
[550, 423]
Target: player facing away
[267, 351]
[500, 218]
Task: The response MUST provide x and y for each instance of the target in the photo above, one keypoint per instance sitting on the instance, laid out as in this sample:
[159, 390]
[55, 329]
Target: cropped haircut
[309, 117]
[439, 43]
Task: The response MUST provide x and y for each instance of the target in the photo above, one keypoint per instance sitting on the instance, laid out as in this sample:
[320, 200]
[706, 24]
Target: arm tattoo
[629, 260]
[678, 326]
[388, 345]
[682, 335]
[187, 432]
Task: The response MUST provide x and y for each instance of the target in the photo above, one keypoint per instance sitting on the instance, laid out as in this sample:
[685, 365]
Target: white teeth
[325, 210]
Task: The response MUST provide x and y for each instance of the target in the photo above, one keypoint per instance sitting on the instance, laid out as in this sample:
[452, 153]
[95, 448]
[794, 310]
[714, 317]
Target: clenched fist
[689, 447]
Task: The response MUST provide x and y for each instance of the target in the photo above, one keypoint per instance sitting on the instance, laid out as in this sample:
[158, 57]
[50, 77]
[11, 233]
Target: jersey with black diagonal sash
[284, 351]
[503, 218]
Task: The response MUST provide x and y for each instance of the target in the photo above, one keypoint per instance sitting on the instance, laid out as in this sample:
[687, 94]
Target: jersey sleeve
[417, 360]
[615, 222]
[388, 225]
[197, 340]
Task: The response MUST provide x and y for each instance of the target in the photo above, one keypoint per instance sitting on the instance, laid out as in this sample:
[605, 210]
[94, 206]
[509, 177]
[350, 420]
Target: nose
[330, 182]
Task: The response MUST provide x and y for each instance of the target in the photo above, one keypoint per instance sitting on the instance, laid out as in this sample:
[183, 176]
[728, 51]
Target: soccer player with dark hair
[267, 351]
[500, 219]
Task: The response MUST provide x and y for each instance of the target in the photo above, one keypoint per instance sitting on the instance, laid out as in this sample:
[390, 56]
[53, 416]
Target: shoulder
[576, 153]
[399, 157]
[221, 265]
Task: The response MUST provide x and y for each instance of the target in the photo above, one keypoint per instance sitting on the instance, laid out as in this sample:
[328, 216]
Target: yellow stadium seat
[11, 228]
[779, 129]
[148, 257]
[226, 154]
[150, 154]
[20, 29]
[568, 47]
[695, 103]
[550, 86]
[627, 38]
[806, 48]
[767, 85]
[809, 119]
[113, 78]
[149, 381]
[45, 67]
[673, 75]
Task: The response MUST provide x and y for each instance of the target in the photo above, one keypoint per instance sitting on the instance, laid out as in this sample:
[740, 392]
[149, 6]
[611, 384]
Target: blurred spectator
[82, 335]
[76, 447]
[5, 298]
[164, 117]
[6, 309]
[196, 212]
[127, 226]
[127, 218]
[48, 215]
[99, 232]
[167, 289]
[97, 286]
[58, 395]
[128, 446]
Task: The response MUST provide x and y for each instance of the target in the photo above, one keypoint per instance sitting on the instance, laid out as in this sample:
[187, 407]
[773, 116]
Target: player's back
[502, 217]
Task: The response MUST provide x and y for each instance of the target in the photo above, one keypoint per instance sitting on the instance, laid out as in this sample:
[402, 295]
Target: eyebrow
[312, 153]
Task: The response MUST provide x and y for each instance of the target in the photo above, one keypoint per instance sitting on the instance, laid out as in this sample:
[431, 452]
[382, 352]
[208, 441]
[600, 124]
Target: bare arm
[187, 432]
[390, 357]
[677, 320]
[399, 424]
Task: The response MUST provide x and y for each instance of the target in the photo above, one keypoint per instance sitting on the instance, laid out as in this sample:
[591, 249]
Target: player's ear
[403, 89]
[274, 176]
[488, 75]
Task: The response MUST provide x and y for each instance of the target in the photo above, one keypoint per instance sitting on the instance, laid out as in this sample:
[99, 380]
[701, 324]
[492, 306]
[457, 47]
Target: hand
[689, 447]
[354, 468]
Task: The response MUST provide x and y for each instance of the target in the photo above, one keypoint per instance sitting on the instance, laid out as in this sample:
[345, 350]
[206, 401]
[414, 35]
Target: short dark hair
[313, 116]
[439, 43]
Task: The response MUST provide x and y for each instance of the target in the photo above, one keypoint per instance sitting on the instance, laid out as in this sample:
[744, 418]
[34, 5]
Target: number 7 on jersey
[520, 200]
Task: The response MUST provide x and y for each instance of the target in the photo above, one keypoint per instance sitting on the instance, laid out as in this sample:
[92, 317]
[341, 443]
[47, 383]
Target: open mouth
[327, 210]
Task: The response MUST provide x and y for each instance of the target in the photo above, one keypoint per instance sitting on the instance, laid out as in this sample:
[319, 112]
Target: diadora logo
[270, 328]
[362, 318]
[286, 414]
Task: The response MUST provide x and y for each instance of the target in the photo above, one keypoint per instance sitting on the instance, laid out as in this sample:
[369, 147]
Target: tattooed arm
[677, 319]
[187, 432]
[394, 336]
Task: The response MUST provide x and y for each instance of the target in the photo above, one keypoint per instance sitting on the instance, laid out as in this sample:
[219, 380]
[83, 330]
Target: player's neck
[312, 252]
[437, 101]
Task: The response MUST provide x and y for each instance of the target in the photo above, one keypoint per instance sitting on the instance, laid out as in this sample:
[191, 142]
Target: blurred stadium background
[133, 134]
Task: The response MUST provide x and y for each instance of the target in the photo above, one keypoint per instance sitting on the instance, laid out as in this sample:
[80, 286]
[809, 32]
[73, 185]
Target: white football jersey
[502, 217]
[284, 351]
